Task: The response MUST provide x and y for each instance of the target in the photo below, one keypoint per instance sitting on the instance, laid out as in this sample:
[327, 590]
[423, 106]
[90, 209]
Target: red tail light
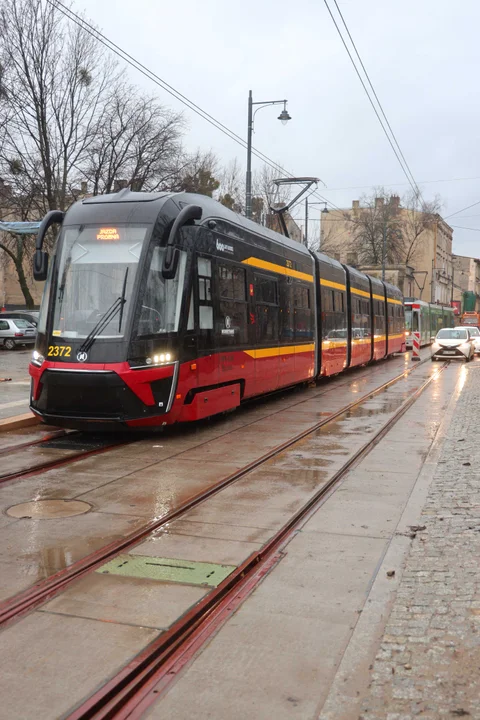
[19, 334]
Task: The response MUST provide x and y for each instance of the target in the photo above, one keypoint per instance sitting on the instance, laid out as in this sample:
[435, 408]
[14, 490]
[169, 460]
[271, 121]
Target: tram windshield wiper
[101, 324]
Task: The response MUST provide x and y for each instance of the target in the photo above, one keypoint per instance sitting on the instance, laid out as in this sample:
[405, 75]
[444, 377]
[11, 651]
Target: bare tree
[232, 187]
[54, 79]
[417, 216]
[197, 174]
[385, 218]
[138, 142]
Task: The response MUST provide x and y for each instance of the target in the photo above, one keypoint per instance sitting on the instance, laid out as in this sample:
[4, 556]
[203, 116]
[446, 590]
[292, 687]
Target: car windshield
[451, 334]
[474, 331]
[96, 272]
[337, 334]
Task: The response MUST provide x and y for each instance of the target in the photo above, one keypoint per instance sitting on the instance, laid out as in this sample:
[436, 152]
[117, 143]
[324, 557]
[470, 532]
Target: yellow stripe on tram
[394, 302]
[275, 351]
[360, 292]
[378, 297]
[273, 267]
[330, 283]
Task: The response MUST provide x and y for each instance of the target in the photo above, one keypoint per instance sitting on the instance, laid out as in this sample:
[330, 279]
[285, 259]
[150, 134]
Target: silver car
[16, 332]
[475, 335]
[453, 344]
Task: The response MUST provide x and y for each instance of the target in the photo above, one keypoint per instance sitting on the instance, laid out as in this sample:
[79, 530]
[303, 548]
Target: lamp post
[307, 204]
[284, 117]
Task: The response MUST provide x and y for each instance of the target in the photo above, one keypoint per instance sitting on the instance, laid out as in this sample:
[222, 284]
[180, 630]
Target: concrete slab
[34, 549]
[215, 531]
[242, 514]
[66, 659]
[355, 513]
[155, 491]
[126, 600]
[322, 576]
[258, 667]
[200, 549]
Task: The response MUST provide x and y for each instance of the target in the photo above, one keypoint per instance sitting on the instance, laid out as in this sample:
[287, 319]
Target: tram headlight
[37, 358]
[159, 359]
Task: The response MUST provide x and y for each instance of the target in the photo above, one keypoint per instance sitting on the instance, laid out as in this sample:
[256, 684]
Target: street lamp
[307, 204]
[284, 117]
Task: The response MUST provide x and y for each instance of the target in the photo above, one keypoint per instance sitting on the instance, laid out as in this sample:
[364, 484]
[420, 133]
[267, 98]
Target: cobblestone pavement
[429, 660]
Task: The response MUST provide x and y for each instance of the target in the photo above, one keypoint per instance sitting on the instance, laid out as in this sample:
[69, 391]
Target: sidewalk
[14, 382]
[429, 659]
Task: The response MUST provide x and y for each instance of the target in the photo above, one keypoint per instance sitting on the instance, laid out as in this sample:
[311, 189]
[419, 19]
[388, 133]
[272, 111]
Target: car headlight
[37, 358]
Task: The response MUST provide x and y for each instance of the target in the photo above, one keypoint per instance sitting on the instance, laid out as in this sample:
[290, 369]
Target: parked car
[475, 335]
[30, 315]
[16, 332]
[453, 343]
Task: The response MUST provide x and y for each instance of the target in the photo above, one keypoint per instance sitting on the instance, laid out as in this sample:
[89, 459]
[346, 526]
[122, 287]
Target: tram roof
[148, 205]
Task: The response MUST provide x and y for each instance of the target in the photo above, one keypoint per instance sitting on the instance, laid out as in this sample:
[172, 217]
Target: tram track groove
[29, 599]
[142, 681]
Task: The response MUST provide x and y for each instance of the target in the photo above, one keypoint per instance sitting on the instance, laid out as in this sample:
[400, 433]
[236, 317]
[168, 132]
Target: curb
[18, 421]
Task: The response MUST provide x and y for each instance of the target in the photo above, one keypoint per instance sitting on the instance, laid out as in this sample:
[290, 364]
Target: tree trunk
[24, 285]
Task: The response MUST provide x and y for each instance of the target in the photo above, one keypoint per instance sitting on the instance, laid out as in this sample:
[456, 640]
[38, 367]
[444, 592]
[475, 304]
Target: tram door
[207, 366]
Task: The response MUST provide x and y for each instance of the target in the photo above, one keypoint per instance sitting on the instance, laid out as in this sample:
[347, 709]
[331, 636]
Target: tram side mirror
[40, 265]
[170, 263]
[172, 254]
[40, 259]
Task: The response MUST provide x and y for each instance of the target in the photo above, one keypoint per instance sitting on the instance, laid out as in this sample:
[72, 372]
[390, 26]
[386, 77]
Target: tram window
[204, 267]
[231, 325]
[265, 290]
[191, 317]
[204, 289]
[162, 299]
[205, 317]
[301, 297]
[231, 282]
[205, 310]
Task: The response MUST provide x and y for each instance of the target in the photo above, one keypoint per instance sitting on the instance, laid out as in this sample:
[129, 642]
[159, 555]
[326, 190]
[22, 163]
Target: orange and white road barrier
[416, 346]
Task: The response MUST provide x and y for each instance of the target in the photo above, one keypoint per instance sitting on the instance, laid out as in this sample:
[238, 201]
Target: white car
[475, 335]
[453, 344]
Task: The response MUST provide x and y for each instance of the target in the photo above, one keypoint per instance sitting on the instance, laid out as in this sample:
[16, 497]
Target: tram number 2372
[59, 351]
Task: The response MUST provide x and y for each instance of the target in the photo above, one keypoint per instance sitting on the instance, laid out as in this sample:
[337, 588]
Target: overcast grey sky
[422, 56]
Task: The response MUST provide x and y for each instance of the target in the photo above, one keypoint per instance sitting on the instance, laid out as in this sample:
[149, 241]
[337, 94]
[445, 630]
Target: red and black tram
[163, 308]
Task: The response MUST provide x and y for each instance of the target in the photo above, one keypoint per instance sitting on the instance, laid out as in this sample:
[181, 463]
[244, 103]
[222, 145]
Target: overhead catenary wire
[398, 154]
[462, 210]
[126, 57]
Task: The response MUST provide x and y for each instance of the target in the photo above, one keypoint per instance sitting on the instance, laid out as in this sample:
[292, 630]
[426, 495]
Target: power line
[375, 94]
[405, 168]
[420, 182]
[126, 57]
[461, 227]
[463, 209]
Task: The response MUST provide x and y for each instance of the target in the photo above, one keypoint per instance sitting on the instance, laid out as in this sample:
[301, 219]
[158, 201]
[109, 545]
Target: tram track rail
[27, 472]
[29, 599]
[140, 683]
[31, 443]
[57, 462]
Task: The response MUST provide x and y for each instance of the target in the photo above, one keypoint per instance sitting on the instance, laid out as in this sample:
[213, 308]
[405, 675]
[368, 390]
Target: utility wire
[461, 227]
[126, 57]
[376, 96]
[462, 210]
[420, 182]
[405, 168]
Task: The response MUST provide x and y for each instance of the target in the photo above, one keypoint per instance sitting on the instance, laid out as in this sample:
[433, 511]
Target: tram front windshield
[96, 272]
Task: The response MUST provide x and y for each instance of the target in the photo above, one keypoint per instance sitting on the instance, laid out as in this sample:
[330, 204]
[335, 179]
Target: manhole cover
[40, 509]
[167, 569]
